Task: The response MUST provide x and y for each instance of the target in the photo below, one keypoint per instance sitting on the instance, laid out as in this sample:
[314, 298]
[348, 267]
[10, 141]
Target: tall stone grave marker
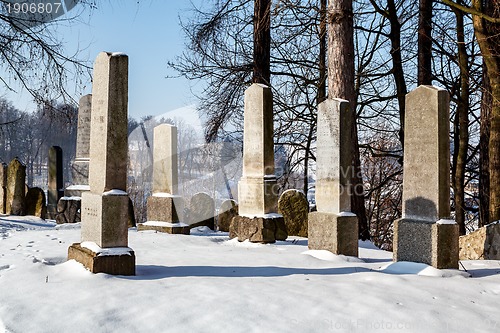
[258, 220]
[16, 188]
[333, 227]
[80, 167]
[55, 191]
[105, 206]
[165, 206]
[3, 187]
[425, 233]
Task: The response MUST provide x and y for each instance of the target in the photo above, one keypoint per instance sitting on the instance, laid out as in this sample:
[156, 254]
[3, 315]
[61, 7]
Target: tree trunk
[262, 42]
[484, 161]
[341, 85]
[488, 38]
[321, 95]
[425, 42]
[397, 67]
[462, 130]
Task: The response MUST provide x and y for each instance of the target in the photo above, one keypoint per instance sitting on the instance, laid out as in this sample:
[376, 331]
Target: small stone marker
[228, 209]
[55, 190]
[35, 203]
[104, 246]
[202, 211]
[425, 233]
[16, 189]
[333, 227]
[294, 207]
[3, 187]
[165, 207]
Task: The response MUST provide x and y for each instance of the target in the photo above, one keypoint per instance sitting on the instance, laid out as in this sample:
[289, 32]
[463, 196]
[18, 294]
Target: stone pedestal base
[430, 243]
[169, 228]
[266, 229]
[100, 262]
[165, 208]
[105, 219]
[335, 233]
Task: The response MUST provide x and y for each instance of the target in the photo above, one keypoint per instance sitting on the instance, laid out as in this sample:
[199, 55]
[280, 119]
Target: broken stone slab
[267, 228]
[68, 210]
[483, 243]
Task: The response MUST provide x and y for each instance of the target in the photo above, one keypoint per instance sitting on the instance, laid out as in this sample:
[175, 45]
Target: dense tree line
[398, 44]
[29, 135]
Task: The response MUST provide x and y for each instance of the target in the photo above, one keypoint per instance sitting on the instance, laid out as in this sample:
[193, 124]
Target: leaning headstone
[16, 179]
[202, 211]
[104, 247]
[80, 166]
[333, 226]
[258, 220]
[55, 190]
[294, 207]
[483, 243]
[3, 187]
[165, 207]
[228, 209]
[69, 210]
[425, 233]
[35, 203]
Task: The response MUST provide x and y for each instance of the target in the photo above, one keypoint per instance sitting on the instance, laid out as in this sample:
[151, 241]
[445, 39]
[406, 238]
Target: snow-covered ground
[208, 283]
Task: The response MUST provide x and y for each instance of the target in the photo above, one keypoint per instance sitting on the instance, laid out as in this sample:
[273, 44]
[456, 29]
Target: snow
[346, 214]
[266, 216]
[446, 221]
[164, 195]
[78, 187]
[208, 283]
[73, 198]
[165, 224]
[114, 192]
[110, 251]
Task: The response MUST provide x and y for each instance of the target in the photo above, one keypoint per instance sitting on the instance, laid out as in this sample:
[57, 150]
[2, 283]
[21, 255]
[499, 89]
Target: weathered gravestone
[55, 190]
[333, 227]
[35, 203]
[104, 246]
[258, 220]
[165, 207]
[16, 188]
[425, 233]
[80, 166]
[294, 207]
[3, 187]
[202, 211]
[228, 209]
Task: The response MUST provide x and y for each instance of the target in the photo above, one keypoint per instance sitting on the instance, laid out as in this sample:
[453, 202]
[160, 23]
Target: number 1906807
[43, 7]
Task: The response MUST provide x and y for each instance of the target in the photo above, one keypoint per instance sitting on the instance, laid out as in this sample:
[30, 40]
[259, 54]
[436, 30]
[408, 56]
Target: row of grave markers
[425, 233]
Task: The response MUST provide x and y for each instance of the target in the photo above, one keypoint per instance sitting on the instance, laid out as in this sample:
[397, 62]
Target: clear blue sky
[149, 32]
